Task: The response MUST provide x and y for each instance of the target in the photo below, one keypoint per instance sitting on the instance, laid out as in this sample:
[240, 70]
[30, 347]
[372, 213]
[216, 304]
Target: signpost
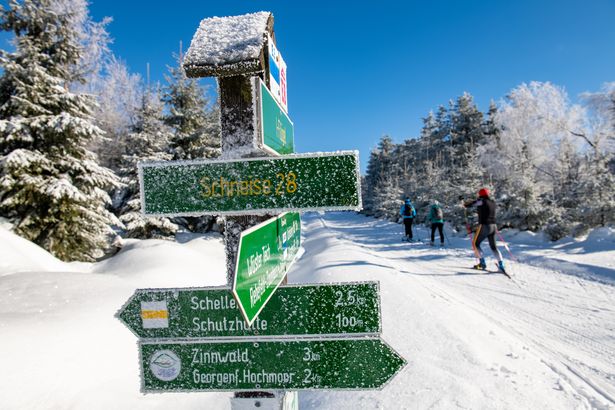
[266, 252]
[293, 337]
[366, 363]
[316, 310]
[277, 129]
[327, 181]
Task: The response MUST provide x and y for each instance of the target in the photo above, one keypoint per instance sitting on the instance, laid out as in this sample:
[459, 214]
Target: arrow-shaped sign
[333, 309]
[262, 365]
[266, 252]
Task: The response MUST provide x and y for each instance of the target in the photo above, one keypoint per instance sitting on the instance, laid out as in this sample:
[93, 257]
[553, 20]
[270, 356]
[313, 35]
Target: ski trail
[570, 340]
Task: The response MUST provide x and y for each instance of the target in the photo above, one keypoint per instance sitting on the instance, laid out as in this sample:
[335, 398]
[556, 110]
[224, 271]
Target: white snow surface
[227, 40]
[544, 340]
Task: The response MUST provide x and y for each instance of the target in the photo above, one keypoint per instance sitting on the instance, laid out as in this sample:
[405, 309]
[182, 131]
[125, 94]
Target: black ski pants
[486, 231]
[408, 226]
[438, 226]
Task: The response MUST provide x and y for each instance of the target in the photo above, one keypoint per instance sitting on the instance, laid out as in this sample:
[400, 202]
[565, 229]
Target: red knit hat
[484, 192]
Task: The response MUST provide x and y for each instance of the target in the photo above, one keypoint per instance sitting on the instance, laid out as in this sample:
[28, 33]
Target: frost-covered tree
[93, 38]
[491, 130]
[533, 120]
[379, 174]
[598, 172]
[466, 173]
[148, 141]
[195, 121]
[120, 97]
[387, 199]
[51, 186]
[549, 163]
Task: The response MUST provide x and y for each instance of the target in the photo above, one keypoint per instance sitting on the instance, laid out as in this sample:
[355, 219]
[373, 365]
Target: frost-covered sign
[366, 363]
[306, 310]
[325, 181]
[266, 252]
[277, 129]
[277, 74]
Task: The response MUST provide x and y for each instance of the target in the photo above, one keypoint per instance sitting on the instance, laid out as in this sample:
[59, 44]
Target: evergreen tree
[148, 141]
[466, 173]
[491, 131]
[51, 186]
[378, 170]
[564, 199]
[196, 125]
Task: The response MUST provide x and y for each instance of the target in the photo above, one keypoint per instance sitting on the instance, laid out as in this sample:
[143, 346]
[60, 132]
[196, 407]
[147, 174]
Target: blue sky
[360, 69]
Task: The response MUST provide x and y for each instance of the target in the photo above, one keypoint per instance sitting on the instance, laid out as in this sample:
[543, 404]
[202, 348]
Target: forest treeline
[549, 163]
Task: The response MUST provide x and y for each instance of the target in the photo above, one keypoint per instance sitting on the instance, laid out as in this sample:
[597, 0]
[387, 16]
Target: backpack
[439, 214]
[408, 210]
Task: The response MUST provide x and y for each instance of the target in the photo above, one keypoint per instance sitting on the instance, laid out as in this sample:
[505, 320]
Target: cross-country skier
[436, 217]
[408, 213]
[486, 229]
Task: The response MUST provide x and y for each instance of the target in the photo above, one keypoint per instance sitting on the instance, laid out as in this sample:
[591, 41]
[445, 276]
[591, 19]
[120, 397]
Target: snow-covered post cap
[224, 46]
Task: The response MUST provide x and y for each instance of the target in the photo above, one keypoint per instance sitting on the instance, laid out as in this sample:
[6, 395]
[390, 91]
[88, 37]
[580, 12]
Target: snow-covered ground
[543, 340]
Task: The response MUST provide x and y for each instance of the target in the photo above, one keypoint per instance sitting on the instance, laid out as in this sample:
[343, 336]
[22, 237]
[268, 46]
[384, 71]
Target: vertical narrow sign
[277, 75]
[277, 129]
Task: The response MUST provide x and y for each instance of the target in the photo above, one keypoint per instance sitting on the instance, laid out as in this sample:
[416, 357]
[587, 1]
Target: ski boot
[481, 265]
[501, 266]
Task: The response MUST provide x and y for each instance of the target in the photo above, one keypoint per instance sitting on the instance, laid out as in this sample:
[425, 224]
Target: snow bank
[152, 263]
[20, 255]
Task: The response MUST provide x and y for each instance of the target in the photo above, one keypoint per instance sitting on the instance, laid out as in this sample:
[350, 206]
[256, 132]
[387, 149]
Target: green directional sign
[327, 181]
[327, 309]
[265, 254]
[277, 129]
[265, 365]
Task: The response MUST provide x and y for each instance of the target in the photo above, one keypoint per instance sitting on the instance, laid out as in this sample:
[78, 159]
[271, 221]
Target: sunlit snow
[472, 340]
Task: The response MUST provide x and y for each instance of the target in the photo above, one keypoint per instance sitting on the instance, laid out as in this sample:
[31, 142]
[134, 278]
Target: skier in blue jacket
[408, 213]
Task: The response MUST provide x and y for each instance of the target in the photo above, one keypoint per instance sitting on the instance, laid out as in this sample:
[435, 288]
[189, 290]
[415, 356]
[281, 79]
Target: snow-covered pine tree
[564, 198]
[195, 121]
[379, 170]
[387, 196]
[148, 141]
[491, 131]
[51, 186]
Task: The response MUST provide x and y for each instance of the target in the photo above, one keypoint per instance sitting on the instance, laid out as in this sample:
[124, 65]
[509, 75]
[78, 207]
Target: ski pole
[446, 236]
[506, 245]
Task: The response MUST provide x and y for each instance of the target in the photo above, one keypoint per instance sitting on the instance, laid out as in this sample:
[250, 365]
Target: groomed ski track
[544, 340]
